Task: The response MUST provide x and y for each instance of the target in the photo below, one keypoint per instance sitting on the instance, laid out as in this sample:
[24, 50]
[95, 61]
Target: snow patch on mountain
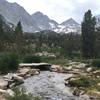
[68, 26]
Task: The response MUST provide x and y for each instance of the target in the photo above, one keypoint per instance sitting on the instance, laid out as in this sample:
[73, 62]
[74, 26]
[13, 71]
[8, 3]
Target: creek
[50, 86]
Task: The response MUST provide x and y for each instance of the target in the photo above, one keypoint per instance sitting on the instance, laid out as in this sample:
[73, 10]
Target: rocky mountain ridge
[38, 21]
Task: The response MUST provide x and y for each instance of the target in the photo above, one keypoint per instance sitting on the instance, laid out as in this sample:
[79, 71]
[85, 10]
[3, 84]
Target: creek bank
[9, 81]
[85, 80]
[50, 86]
[56, 82]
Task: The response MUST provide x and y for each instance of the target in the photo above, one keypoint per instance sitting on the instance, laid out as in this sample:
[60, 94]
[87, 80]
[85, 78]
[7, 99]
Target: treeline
[62, 44]
[85, 45]
[90, 36]
[11, 40]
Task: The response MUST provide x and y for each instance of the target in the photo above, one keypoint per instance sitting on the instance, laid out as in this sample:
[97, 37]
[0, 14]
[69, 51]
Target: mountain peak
[38, 13]
[69, 21]
[43, 21]
[13, 12]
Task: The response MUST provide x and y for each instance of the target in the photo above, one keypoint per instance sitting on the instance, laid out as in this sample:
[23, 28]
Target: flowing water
[50, 86]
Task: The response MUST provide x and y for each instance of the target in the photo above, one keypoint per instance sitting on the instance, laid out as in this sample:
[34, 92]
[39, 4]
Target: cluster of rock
[46, 54]
[7, 82]
[4, 90]
[79, 70]
[76, 69]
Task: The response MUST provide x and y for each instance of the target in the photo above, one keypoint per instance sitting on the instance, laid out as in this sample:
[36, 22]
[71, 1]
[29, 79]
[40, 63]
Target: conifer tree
[19, 38]
[1, 33]
[88, 35]
[97, 42]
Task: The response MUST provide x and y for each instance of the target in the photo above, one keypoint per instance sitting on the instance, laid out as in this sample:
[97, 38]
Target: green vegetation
[19, 38]
[88, 35]
[66, 45]
[83, 82]
[31, 59]
[58, 61]
[8, 62]
[87, 84]
[96, 63]
[1, 33]
[22, 95]
[83, 47]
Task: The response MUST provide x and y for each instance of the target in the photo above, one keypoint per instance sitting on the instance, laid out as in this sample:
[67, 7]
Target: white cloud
[61, 10]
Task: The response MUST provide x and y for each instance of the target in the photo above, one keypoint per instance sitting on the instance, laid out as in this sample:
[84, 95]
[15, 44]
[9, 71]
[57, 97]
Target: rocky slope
[68, 26]
[14, 13]
[98, 20]
[44, 22]
[35, 22]
[6, 25]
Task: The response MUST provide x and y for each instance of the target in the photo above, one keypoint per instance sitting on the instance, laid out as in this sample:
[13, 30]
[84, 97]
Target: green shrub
[31, 59]
[96, 63]
[83, 82]
[8, 62]
[20, 94]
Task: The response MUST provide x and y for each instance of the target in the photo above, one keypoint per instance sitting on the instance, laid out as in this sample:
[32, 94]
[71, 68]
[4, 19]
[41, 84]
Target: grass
[20, 94]
[8, 62]
[83, 82]
[87, 84]
[57, 61]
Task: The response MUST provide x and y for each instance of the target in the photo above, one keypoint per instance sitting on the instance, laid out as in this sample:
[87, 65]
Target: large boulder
[2, 97]
[3, 83]
[73, 82]
[97, 72]
[69, 68]
[23, 71]
[10, 92]
[56, 68]
[94, 95]
[73, 63]
[17, 79]
[81, 65]
[12, 79]
[89, 69]
[34, 72]
[6, 93]
[76, 92]
[8, 76]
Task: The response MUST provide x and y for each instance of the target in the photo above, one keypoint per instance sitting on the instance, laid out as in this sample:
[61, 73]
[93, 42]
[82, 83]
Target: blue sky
[61, 10]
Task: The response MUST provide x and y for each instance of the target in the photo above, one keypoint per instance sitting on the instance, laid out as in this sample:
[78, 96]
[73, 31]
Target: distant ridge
[36, 22]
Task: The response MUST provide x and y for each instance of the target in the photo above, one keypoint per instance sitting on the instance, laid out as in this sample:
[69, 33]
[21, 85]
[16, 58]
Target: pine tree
[88, 35]
[19, 38]
[1, 33]
[97, 42]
